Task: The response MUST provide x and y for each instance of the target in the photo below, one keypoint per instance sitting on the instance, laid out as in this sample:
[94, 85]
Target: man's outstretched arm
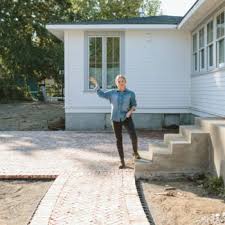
[101, 93]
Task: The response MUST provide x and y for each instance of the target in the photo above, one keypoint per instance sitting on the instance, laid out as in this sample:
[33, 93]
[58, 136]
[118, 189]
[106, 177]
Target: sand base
[19, 199]
[188, 204]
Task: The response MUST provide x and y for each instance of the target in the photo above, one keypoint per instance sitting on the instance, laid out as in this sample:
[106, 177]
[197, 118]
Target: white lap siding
[208, 94]
[157, 65]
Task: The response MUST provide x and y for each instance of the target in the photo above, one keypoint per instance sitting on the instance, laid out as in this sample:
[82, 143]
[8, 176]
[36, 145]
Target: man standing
[123, 103]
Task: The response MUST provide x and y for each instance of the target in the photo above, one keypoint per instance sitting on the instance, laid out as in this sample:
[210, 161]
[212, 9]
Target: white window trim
[202, 48]
[104, 35]
[215, 66]
[221, 65]
[209, 44]
[194, 52]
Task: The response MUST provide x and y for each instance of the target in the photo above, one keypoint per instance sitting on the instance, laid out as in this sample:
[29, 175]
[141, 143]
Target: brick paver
[89, 188]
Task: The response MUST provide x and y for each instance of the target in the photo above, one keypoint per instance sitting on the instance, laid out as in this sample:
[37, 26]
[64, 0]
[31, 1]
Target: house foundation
[101, 121]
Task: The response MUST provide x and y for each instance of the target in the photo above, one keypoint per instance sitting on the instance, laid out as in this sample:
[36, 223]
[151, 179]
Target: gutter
[196, 5]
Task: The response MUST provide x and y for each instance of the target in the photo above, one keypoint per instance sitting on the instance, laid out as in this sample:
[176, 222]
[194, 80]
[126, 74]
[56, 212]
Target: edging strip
[43, 213]
[135, 210]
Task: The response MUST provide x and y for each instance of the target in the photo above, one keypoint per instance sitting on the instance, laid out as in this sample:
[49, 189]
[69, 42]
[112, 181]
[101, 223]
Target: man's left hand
[128, 114]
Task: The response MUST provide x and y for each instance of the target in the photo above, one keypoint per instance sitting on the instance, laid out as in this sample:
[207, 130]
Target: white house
[175, 65]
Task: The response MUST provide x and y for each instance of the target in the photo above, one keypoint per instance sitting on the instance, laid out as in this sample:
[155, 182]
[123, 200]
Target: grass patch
[212, 184]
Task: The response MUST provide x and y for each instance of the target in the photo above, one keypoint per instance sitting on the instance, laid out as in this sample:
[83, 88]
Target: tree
[111, 9]
[151, 8]
[27, 49]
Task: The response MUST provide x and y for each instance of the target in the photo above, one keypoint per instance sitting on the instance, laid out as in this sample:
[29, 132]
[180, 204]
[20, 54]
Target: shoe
[122, 166]
[136, 155]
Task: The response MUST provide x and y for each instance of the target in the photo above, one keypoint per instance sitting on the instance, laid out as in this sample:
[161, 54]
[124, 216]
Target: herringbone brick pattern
[89, 188]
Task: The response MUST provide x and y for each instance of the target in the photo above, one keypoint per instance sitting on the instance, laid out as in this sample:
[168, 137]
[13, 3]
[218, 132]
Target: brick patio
[89, 188]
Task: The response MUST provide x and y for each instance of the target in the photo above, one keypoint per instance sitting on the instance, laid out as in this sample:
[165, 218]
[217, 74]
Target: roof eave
[199, 11]
[58, 33]
[58, 29]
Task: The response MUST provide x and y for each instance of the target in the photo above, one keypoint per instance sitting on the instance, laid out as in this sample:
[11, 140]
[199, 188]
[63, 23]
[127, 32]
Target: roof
[135, 23]
[195, 3]
[164, 19]
[198, 12]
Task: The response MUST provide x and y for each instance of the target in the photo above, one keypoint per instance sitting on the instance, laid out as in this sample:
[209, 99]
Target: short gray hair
[120, 76]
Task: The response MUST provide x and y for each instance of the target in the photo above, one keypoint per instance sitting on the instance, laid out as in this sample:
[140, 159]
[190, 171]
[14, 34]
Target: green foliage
[26, 47]
[151, 8]
[40, 96]
[214, 185]
[111, 9]
[10, 91]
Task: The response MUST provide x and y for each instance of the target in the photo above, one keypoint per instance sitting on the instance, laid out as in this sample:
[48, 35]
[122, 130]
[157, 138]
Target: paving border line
[27, 176]
[43, 213]
[135, 210]
[145, 205]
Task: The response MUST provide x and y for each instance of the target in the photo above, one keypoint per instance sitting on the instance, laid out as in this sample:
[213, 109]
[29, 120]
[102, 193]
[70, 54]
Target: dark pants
[117, 128]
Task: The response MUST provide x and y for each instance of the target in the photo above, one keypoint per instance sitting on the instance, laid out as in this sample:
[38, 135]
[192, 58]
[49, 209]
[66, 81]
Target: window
[95, 59]
[220, 40]
[113, 60]
[195, 52]
[210, 44]
[104, 58]
[201, 49]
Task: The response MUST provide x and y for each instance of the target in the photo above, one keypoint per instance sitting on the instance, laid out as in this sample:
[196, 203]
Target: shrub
[10, 91]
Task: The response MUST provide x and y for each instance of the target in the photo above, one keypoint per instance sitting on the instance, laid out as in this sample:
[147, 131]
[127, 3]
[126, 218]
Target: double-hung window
[220, 40]
[210, 48]
[202, 49]
[195, 52]
[208, 44]
[104, 58]
[95, 58]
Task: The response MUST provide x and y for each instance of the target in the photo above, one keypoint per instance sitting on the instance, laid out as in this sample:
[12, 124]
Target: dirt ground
[187, 204]
[30, 115]
[19, 199]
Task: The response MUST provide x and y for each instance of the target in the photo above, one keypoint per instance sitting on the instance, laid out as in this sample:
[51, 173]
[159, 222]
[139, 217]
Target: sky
[176, 7]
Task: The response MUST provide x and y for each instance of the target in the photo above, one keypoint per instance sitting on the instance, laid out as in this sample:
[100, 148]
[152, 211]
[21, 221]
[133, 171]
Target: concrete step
[177, 157]
[188, 130]
[159, 148]
[215, 126]
[186, 152]
[163, 165]
[145, 155]
[180, 147]
[205, 123]
[144, 162]
[173, 137]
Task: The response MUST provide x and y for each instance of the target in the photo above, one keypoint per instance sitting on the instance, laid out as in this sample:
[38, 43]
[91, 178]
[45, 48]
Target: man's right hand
[93, 81]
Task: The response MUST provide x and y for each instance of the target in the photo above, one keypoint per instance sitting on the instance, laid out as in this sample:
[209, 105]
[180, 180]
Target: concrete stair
[178, 154]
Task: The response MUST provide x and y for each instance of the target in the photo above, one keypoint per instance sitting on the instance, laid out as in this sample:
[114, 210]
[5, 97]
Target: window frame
[106, 51]
[221, 65]
[88, 58]
[194, 52]
[215, 67]
[203, 48]
[104, 35]
[209, 44]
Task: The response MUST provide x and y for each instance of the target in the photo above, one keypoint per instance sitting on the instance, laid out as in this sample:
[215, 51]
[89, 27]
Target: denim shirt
[121, 101]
